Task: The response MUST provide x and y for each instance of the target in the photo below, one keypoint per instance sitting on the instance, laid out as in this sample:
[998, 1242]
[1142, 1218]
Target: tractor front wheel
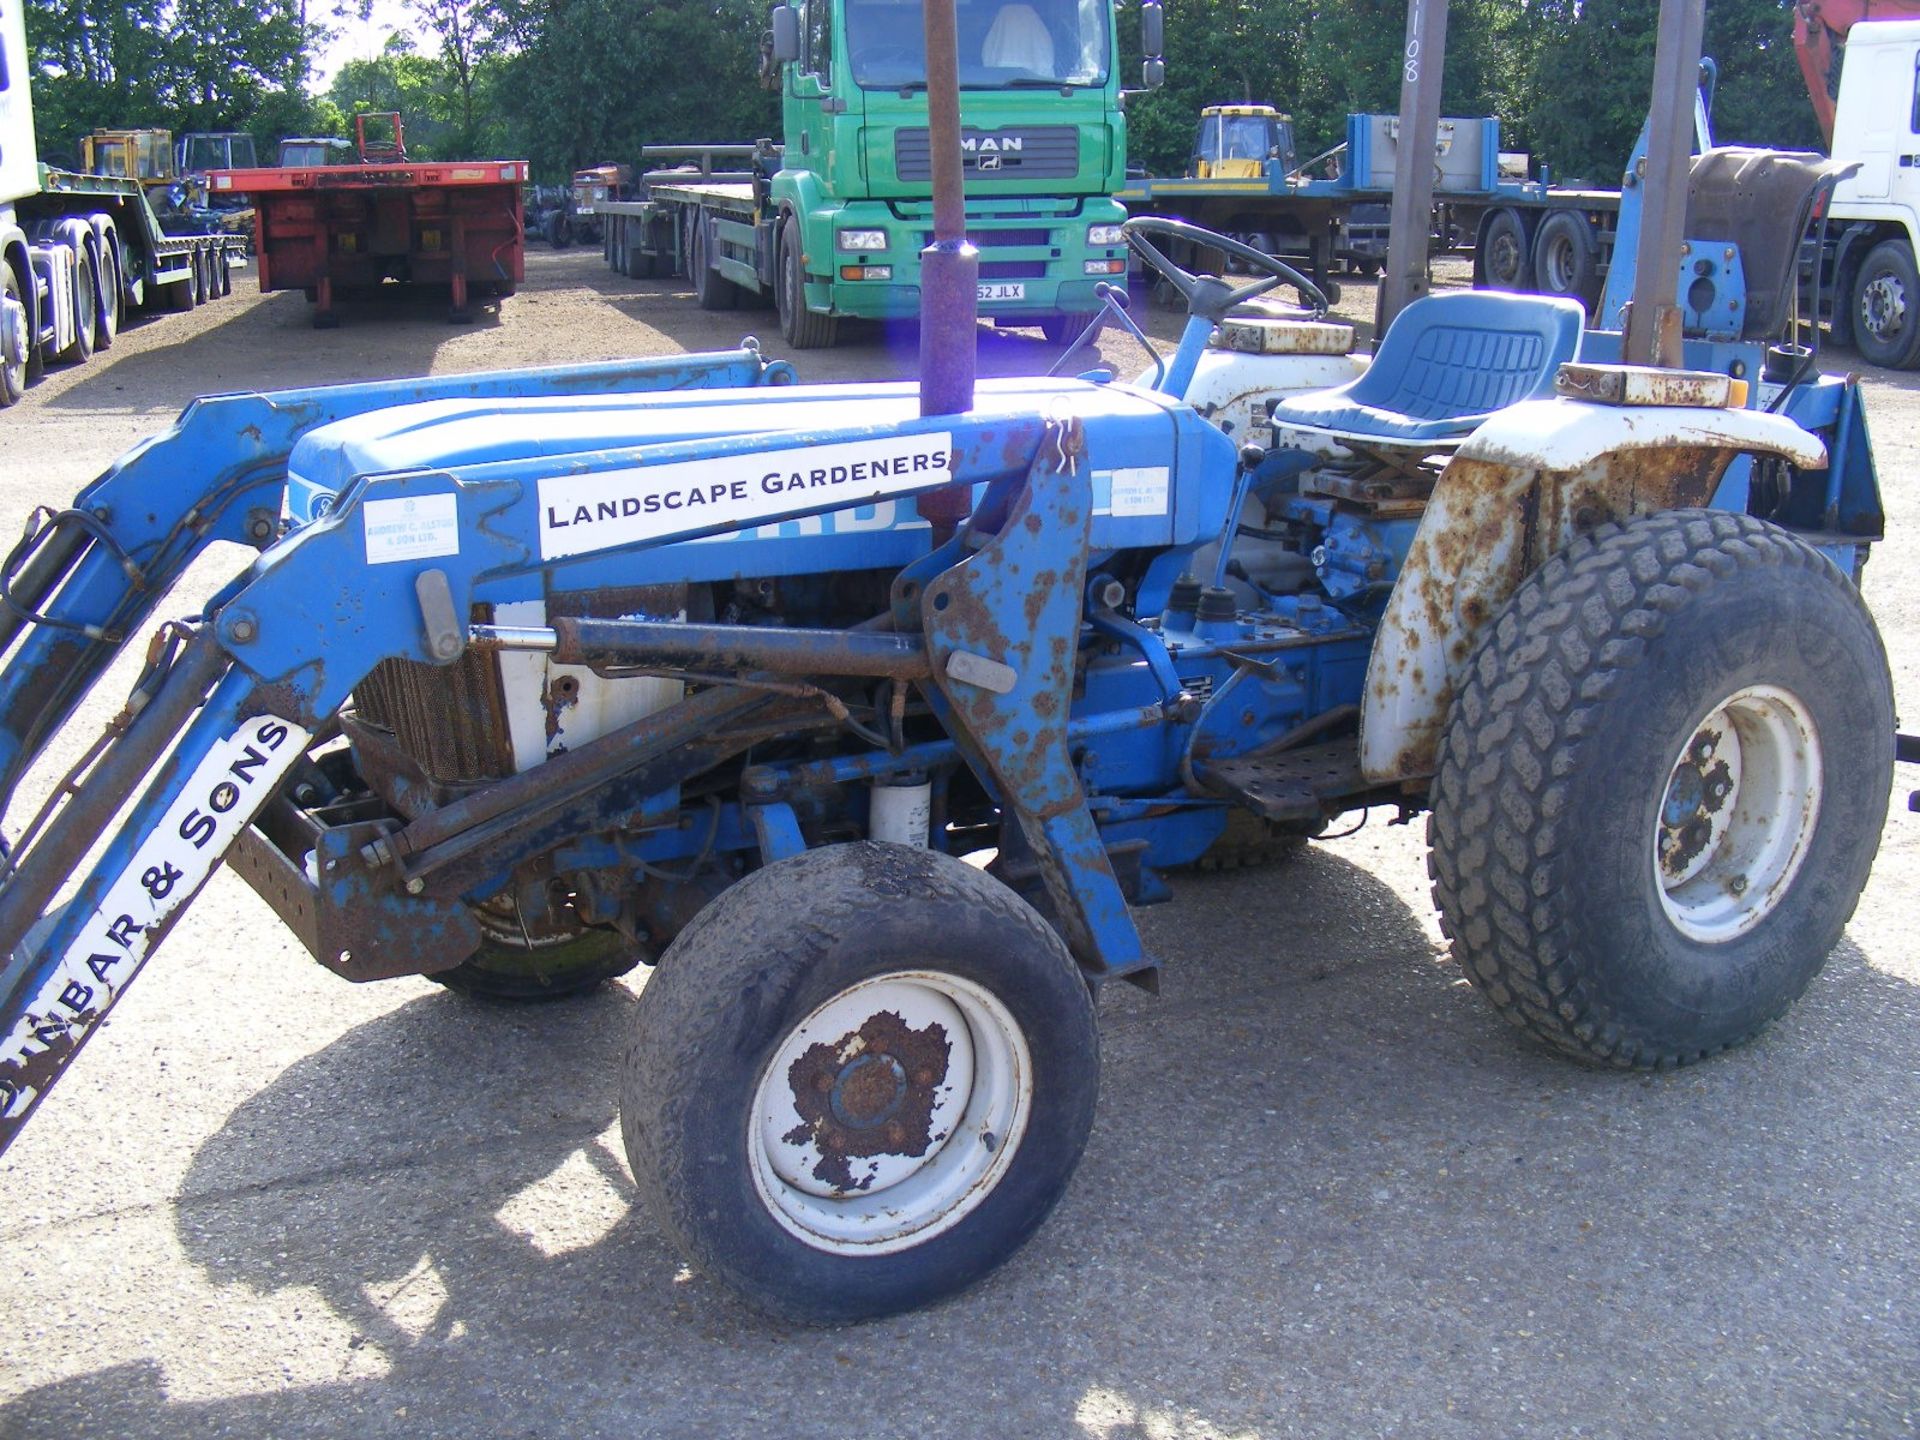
[859, 1080]
[1661, 787]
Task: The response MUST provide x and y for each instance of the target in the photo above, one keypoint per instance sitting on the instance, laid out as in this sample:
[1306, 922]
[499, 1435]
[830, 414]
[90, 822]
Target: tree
[468, 35]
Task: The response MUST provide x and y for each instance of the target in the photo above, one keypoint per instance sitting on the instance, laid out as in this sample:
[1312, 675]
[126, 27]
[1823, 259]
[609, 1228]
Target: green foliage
[182, 64]
[594, 80]
[568, 83]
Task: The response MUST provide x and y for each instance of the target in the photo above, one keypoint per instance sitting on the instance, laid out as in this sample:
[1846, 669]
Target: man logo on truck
[982, 144]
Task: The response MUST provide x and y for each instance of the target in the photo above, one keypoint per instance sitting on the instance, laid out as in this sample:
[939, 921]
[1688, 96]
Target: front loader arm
[393, 572]
[92, 575]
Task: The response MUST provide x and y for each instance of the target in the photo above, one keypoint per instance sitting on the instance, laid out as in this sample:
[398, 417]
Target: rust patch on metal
[869, 1093]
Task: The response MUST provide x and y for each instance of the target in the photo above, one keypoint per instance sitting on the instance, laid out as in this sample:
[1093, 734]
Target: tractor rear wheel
[858, 1081]
[1661, 787]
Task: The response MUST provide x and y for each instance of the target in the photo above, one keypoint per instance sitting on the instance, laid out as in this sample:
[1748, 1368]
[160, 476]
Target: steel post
[950, 267]
[1422, 66]
[1654, 317]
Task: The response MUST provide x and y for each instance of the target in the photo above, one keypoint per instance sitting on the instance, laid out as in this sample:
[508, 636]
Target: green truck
[831, 223]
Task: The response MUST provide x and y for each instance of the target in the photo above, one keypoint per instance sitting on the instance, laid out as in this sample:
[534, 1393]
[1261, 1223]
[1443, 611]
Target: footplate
[1298, 784]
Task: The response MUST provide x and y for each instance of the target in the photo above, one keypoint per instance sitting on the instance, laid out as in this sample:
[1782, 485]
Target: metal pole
[1422, 66]
[949, 267]
[1654, 316]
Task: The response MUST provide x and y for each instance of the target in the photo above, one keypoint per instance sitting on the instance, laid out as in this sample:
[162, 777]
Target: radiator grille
[451, 719]
[1025, 152]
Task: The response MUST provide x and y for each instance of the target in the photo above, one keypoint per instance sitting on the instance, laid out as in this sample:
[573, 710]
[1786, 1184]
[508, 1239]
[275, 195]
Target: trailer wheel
[711, 289]
[1064, 329]
[640, 261]
[1501, 258]
[1886, 306]
[804, 329]
[86, 311]
[1661, 787]
[858, 1081]
[112, 298]
[1565, 259]
[223, 274]
[13, 373]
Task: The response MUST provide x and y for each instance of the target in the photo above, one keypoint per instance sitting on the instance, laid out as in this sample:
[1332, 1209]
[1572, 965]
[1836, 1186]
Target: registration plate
[1002, 290]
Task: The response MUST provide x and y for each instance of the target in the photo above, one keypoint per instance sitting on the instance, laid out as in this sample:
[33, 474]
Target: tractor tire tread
[1531, 688]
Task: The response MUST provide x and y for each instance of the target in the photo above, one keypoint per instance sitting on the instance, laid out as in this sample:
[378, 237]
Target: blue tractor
[544, 675]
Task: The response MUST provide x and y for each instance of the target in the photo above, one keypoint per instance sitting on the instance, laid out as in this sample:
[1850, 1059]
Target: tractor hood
[1138, 442]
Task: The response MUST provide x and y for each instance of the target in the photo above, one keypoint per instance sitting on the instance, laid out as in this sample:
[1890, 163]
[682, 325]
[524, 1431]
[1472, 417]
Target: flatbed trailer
[341, 231]
[1517, 241]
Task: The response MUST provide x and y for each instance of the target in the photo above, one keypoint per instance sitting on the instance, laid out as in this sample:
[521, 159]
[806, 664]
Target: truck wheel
[1565, 259]
[1064, 329]
[112, 298]
[1501, 257]
[1886, 306]
[511, 972]
[640, 262]
[13, 374]
[711, 289]
[859, 1080]
[804, 329]
[1661, 787]
[86, 311]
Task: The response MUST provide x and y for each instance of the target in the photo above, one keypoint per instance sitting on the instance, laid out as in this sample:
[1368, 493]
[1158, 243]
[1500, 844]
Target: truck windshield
[1004, 44]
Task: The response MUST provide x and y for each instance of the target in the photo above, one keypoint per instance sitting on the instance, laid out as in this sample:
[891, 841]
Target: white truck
[77, 252]
[1867, 266]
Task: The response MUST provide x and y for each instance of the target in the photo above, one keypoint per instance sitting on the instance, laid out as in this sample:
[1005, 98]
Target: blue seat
[1447, 363]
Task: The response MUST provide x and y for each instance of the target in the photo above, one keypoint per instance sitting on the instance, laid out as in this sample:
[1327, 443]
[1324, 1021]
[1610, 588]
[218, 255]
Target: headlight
[861, 239]
[1105, 235]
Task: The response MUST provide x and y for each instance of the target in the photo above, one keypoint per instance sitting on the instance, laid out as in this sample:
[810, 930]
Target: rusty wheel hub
[890, 1112]
[1738, 813]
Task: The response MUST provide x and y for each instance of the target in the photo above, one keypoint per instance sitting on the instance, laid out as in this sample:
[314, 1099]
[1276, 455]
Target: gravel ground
[1329, 1192]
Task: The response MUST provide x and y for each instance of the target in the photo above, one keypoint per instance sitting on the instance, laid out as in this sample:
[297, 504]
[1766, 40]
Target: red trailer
[341, 230]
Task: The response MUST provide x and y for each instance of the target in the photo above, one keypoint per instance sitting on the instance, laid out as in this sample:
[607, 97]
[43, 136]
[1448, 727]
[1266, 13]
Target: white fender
[1521, 488]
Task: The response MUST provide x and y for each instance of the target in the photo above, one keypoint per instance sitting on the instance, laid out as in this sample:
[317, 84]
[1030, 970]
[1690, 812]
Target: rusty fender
[1522, 487]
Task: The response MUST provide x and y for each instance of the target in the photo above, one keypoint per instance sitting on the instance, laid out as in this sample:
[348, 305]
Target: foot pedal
[1293, 784]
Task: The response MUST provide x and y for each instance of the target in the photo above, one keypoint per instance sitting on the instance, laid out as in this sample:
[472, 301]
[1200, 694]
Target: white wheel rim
[1738, 814]
[909, 1061]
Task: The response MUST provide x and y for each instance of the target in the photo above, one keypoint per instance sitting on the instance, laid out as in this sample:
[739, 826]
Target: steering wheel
[1208, 297]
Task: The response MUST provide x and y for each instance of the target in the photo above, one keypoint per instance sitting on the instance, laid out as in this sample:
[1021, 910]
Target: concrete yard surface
[1329, 1192]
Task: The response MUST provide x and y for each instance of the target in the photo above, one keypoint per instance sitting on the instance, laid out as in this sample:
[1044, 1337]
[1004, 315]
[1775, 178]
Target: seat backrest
[1470, 353]
[1760, 200]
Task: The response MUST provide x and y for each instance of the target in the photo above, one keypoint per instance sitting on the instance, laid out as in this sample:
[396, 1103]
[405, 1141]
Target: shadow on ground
[1329, 1193]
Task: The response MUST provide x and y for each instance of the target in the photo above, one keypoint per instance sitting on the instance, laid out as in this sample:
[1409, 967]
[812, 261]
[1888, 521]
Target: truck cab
[1044, 145]
[1242, 142]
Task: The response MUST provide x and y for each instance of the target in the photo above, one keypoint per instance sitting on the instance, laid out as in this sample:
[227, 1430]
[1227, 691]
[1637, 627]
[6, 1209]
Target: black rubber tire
[223, 275]
[13, 378]
[641, 264]
[756, 963]
[711, 289]
[1565, 259]
[802, 328]
[1502, 259]
[515, 975]
[1064, 329]
[86, 311]
[110, 314]
[1885, 307]
[1556, 758]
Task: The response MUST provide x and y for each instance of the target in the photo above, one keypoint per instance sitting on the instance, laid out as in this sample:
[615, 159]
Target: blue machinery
[532, 668]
